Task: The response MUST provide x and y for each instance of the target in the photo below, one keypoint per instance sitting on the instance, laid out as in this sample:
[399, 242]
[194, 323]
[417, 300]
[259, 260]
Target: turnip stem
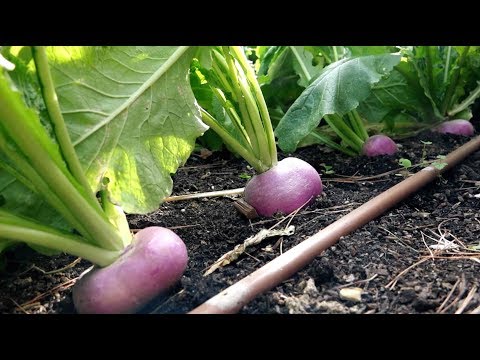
[327, 141]
[429, 66]
[260, 101]
[361, 127]
[233, 116]
[51, 101]
[447, 65]
[357, 125]
[447, 100]
[467, 102]
[219, 65]
[299, 60]
[256, 120]
[21, 229]
[231, 141]
[96, 255]
[20, 128]
[233, 74]
[117, 218]
[335, 53]
[346, 134]
[30, 178]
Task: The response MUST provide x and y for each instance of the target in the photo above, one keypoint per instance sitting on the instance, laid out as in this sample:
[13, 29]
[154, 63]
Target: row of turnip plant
[88, 134]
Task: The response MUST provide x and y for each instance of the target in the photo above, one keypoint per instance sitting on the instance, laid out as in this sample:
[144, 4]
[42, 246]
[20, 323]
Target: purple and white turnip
[153, 262]
[456, 127]
[284, 188]
[377, 145]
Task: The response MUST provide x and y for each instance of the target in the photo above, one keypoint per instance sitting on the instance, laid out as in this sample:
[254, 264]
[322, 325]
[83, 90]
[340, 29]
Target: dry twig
[239, 249]
[467, 300]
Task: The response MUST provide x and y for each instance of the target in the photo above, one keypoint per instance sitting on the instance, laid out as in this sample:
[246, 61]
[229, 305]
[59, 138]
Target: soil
[389, 260]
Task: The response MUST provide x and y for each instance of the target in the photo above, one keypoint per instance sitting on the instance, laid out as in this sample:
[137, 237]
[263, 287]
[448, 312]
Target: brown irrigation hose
[232, 299]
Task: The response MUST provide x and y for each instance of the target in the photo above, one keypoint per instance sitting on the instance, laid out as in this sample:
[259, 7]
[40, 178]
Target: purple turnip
[154, 261]
[456, 127]
[284, 188]
[377, 145]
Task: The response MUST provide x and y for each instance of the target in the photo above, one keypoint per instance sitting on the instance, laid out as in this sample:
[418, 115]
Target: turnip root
[154, 261]
[377, 145]
[284, 188]
[456, 127]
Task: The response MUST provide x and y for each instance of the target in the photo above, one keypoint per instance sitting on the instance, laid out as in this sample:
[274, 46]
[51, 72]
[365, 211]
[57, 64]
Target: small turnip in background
[456, 127]
[377, 145]
[283, 188]
[154, 261]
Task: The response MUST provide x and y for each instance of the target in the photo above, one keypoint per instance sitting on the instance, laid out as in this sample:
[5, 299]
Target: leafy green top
[131, 115]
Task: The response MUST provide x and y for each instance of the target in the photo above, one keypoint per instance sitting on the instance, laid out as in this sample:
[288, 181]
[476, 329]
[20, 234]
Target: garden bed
[370, 258]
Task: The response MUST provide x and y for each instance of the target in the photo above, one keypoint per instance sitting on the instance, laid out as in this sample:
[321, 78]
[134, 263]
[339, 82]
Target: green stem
[232, 113]
[233, 143]
[428, 62]
[232, 71]
[30, 178]
[335, 53]
[16, 124]
[220, 68]
[467, 102]
[61, 132]
[360, 124]
[261, 104]
[70, 244]
[255, 119]
[325, 55]
[19, 228]
[357, 124]
[327, 141]
[117, 218]
[448, 99]
[344, 132]
[352, 123]
[4, 63]
[304, 69]
[447, 65]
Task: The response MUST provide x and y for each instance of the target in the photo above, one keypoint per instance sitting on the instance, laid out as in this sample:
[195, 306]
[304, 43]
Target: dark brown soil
[370, 258]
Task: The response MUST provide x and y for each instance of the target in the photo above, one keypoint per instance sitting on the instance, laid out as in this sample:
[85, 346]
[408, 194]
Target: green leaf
[278, 75]
[268, 56]
[280, 65]
[439, 165]
[131, 115]
[393, 95]
[370, 50]
[328, 54]
[469, 74]
[303, 65]
[244, 176]
[406, 163]
[427, 63]
[281, 93]
[339, 89]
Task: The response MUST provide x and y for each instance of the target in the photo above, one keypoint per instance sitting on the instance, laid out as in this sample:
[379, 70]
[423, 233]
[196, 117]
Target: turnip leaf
[131, 115]
[338, 89]
[394, 95]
